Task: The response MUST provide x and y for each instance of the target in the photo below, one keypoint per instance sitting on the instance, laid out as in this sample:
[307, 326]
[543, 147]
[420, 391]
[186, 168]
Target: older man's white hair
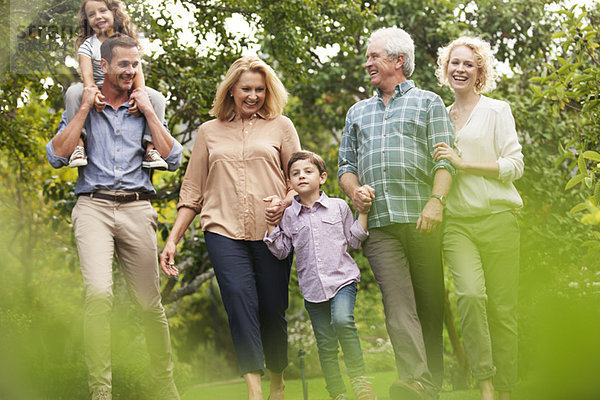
[397, 42]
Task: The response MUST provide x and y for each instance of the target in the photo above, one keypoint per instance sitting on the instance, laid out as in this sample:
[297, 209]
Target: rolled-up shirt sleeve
[347, 158]
[173, 160]
[191, 194]
[290, 144]
[510, 160]
[57, 161]
[440, 129]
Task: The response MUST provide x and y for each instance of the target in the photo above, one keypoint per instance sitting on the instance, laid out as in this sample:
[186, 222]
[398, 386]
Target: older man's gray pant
[407, 265]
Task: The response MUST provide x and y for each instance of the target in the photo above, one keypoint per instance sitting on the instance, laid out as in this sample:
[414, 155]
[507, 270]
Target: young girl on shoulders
[98, 20]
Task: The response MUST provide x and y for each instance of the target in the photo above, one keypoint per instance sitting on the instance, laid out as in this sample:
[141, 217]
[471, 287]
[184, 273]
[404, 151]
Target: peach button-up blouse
[232, 169]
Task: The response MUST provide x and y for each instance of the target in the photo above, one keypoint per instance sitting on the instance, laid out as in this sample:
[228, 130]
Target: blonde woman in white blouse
[481, 232]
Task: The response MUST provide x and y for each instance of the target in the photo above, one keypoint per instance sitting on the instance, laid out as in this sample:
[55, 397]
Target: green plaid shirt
[390, 148]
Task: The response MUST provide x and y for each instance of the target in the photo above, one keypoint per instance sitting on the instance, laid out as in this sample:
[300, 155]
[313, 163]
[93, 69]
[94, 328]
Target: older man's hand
[431, 217]
[362, 198]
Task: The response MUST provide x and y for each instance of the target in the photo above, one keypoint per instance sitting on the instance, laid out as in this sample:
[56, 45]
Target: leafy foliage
[317, 48]
[569, 85]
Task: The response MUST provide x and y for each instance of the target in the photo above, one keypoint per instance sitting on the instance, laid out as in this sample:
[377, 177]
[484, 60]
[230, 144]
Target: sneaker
[152, 159]
[341, 396]
[362, 388]
[78, 158]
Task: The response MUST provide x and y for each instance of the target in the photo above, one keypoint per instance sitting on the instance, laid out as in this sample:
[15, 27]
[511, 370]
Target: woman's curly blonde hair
[484, 58]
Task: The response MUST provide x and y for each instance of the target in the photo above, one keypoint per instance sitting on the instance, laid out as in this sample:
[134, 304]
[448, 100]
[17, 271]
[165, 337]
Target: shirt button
[117, 131]
[118, 149]
[117, 167]
[316, 243]
[318, 259]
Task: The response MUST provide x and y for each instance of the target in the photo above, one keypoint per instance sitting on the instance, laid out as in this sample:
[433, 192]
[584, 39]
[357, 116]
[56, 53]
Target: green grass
[236, 390]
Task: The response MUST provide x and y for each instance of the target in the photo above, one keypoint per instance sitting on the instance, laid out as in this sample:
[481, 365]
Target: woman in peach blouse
[238, 160]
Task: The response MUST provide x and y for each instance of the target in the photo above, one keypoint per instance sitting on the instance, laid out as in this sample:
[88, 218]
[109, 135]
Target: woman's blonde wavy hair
[276, 96]
[484, 58]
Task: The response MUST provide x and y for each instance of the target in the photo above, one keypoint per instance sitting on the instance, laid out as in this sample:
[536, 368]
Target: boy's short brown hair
[310, 156]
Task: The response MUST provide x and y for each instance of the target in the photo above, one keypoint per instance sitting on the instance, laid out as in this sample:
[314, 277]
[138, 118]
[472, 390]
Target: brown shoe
[401, 390]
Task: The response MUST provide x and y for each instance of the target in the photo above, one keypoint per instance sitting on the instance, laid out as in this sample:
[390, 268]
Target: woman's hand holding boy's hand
[274, 210]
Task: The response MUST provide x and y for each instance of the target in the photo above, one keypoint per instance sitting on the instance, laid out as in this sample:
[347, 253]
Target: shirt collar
[259, 114]
[297, 206]
[400, 89]
[125, 104]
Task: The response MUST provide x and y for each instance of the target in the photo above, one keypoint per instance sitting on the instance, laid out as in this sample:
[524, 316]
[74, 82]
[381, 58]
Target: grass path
[236, 390]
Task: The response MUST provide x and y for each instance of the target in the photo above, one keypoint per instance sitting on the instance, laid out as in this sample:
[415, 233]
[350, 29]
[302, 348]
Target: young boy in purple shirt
[320, 229]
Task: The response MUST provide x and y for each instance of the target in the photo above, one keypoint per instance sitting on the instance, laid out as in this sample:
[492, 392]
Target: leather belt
[120, 198]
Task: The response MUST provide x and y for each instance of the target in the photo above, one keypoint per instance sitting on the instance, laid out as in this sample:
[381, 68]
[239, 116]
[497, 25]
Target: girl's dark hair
[121, 22]
[310, 156]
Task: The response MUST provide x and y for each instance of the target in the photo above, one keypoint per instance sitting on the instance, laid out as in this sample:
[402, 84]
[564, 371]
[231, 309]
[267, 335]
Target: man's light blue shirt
[114, 152]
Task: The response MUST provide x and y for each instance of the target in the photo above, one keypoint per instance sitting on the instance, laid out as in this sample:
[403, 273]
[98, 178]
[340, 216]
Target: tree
[292, 36]
[569, 84]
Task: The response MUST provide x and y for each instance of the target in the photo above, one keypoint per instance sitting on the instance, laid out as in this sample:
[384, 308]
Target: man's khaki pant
[101, 227]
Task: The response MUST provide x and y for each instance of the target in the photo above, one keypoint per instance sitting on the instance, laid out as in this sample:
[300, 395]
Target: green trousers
[483, 255]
